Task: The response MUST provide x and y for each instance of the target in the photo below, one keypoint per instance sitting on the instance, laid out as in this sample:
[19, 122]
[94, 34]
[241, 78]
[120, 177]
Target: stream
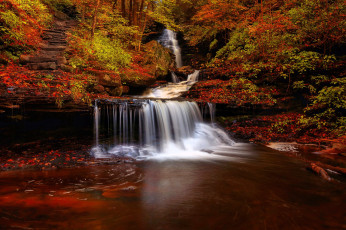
[180, 170]
[256, 188]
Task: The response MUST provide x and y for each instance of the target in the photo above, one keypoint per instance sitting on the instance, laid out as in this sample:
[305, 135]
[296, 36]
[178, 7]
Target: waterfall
[169, 40]
[175, 78]
[173, 90]
[193, 77]
[212, 108]
[143, 128]
[96, 123]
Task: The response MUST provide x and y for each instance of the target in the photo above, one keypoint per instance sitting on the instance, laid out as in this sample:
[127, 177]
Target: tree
[94, 21]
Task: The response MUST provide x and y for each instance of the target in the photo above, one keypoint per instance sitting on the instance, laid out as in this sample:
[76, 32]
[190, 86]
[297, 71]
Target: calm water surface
[253, 188]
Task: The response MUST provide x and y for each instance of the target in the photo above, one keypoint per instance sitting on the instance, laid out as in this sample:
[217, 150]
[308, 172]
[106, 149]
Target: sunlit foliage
[21, 23]
[295, 46]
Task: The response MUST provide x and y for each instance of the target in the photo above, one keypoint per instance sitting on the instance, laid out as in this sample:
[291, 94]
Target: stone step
[48, 36]
[57, 38]
[55, 34]
[47, 53]
[54, 31]
[57, 41]
[53, 48]
[38, 59]
[61, 61]
[42, 66]
[60, 23]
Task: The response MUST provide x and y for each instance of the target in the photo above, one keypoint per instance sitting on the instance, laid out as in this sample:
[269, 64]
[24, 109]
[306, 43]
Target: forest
[277, 55]
[172, 114]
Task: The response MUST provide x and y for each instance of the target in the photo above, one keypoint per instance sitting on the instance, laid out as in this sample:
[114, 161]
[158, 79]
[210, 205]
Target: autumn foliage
[295, 47]
[255, 52]
[21, 23]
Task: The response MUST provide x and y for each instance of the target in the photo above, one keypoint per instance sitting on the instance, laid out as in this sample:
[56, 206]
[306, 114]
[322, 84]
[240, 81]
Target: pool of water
[250, 187]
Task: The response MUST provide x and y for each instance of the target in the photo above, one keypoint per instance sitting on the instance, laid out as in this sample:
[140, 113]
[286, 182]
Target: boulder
[158, 59]
[60, 15]
[106, 78]
[24, 59]
[137, 79]
[99, 88]
[114, 91]
[61, 61]
[155, 62]
[126, 89]
[184, 71]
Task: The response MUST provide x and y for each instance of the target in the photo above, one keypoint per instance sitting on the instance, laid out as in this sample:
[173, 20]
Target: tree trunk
[95, 18]
[83, 13]
[123, 8]
[142, 27]
[135, 13]
[131, 13]
[115, 3]
[141, 10]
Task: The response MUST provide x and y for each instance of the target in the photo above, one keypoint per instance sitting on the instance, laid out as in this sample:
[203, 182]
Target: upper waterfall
[169, 39]
[177, 88]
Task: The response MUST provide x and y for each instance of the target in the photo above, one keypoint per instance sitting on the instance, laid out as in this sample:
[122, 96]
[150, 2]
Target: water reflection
[260, 190]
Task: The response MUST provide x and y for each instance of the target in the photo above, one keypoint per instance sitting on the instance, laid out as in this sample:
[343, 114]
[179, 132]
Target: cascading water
[177, 88]
[148, 128]
[173, 90]
[175, 78]
[169, 40]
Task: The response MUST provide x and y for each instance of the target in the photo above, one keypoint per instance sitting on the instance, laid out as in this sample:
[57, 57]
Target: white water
[173, 90]
[175, 78]
[177, 88]
[169, 40]
[156, 129]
